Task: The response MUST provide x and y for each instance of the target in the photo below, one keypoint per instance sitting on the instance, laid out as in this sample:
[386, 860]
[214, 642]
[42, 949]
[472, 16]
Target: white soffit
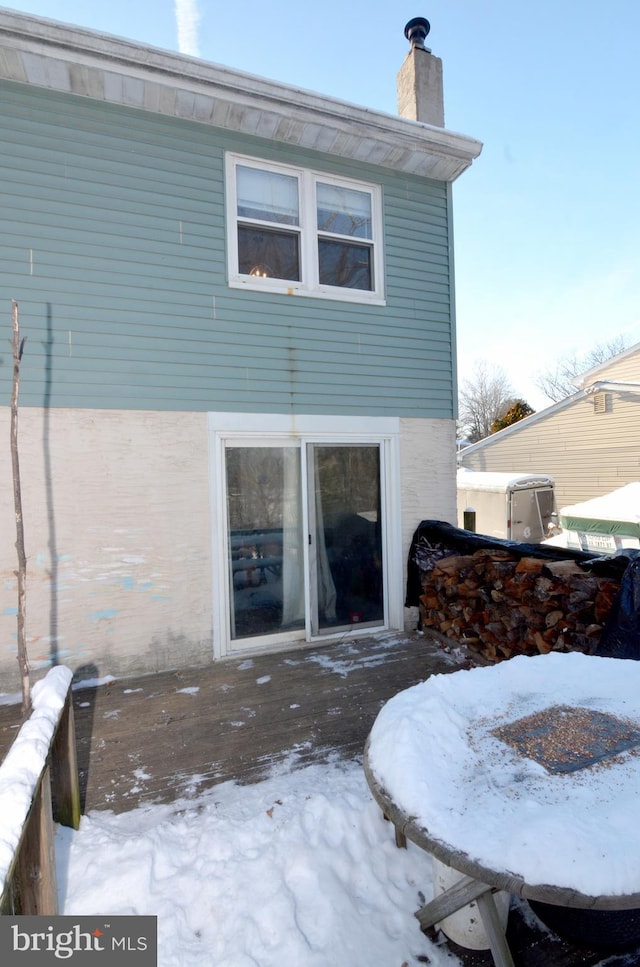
[74, 60]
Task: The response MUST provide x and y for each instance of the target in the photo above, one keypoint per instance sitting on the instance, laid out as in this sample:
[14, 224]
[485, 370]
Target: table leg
[497, 939]
[401, 839]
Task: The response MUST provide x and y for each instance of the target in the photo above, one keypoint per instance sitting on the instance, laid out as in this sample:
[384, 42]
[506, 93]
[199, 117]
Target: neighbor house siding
[625, 370]
[588, 453]
[114, 247]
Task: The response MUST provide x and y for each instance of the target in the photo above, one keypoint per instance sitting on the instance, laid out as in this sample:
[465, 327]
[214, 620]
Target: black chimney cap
[416, 31]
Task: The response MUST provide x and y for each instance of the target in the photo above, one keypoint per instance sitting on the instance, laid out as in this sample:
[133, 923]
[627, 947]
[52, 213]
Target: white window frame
[309, 284]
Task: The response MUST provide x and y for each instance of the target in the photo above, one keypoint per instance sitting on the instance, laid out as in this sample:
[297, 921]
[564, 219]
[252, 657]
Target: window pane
[345, 264]
[268, 254]
[344, 211]
[267, 195]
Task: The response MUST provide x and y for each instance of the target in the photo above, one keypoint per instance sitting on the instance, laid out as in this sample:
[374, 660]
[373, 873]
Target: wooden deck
[160, 737]
[156, 738]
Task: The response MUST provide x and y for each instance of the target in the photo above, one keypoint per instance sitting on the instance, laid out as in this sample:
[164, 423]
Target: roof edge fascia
[585, 378]
[75, 60]
[521, 424]
[612, 386]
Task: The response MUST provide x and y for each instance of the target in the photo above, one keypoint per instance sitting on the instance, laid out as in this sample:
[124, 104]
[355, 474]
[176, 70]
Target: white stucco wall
[116, 516]
[428, 475]
[118, 535]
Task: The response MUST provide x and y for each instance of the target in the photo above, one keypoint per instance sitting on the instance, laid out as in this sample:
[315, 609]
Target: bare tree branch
[482, 399]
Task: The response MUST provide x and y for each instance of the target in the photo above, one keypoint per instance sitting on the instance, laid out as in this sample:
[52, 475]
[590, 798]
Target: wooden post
[494, 931]
[64, 763]
[21, 573]
[36, 862]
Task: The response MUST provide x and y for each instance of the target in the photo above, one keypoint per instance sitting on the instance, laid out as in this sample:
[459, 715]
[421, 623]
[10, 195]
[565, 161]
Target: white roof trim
[610, 386]
[521, 424]
[74, 60]
[586, 378]
[601, 386]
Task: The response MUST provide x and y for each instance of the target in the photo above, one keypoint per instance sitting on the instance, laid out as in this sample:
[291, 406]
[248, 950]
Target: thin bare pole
[21, 573]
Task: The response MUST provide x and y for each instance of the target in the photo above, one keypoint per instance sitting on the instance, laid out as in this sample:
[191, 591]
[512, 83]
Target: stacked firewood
[501, 605]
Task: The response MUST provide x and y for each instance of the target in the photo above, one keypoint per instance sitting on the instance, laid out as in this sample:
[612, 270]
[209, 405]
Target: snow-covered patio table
[523, 776]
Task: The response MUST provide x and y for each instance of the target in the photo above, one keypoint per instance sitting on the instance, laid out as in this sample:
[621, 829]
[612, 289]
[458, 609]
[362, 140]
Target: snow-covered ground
[300, 869]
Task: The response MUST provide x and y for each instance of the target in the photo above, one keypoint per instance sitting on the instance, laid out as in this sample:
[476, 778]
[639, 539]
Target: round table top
[525, 775]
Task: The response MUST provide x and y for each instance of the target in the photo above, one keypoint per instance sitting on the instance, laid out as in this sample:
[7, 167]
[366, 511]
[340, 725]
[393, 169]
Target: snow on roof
[621, 504]
[499, 482]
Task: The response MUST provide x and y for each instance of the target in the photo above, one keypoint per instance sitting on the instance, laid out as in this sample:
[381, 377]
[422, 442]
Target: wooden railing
[39, 782]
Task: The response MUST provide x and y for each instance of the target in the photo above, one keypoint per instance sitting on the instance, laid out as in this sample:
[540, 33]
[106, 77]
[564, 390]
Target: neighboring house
[238, 390]
[589, 442]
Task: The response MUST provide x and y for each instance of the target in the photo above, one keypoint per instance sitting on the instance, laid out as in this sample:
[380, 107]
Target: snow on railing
[41, 761]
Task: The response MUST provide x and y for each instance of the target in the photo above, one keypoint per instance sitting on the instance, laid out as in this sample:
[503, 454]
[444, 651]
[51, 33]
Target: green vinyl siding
[113, 243]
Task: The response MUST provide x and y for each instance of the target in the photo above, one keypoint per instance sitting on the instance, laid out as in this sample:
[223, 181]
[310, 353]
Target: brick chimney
[420, 95]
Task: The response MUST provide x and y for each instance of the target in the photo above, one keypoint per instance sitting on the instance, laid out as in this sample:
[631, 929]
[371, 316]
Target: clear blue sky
[547, 220]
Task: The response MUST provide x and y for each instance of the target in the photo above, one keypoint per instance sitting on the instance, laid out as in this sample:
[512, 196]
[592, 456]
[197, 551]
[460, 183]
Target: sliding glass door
[304, 539]
[264, 536]
[346, 548]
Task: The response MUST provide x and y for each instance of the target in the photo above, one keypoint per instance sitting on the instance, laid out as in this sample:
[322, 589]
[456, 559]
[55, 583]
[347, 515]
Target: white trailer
[514, 506]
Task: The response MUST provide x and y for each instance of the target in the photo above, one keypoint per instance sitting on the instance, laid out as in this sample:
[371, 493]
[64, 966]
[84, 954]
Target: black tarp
[621, 634]
[435, 539]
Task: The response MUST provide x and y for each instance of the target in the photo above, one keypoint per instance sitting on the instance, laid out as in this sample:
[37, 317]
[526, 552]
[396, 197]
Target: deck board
[246, 715]
[147, 740]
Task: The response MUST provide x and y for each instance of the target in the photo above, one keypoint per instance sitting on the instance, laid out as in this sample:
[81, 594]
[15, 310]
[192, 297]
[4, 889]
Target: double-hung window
[294, 230]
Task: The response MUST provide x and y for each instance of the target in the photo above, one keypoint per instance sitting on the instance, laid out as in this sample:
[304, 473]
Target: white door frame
[280, 429]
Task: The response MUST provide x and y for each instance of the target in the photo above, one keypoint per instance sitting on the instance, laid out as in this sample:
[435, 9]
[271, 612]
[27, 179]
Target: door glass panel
[347, 538]
[265, 545]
